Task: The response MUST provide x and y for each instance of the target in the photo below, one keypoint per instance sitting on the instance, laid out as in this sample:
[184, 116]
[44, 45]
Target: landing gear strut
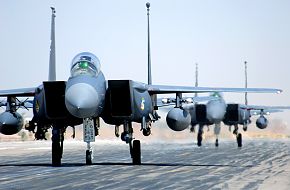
[238, 136]
[217, 130]
[199, 135]
[91, 129]
[146, 127]
[57, 146]
[134, 145]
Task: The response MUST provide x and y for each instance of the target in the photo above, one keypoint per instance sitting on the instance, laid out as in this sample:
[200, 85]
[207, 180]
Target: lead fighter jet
[86, 97]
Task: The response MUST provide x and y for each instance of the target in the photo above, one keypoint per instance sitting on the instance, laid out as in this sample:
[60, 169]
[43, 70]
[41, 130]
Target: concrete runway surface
[260, 164]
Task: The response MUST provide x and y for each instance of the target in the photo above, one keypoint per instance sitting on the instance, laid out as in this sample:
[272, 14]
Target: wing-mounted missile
[185, 100]
[172, 101]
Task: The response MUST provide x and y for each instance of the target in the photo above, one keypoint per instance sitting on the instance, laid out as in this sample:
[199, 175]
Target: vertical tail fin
[149, 53]
[153, 97]
[52, 70]
[246, 83]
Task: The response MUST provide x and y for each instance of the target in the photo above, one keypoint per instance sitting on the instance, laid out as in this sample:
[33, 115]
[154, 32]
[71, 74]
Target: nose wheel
[91, 129]
[89, 157]
[217, 130]
[216, 143]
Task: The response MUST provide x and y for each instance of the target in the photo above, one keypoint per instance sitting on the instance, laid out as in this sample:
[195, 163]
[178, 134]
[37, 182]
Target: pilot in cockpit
[85, 64]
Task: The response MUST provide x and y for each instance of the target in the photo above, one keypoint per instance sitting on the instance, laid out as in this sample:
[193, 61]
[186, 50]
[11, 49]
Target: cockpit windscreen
[85, 64]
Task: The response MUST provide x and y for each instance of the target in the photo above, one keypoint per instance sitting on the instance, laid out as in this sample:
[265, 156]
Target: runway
[260, 164]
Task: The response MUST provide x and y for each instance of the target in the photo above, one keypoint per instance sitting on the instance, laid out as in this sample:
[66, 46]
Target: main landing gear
[238, 136]
[134, 145]
[57, 145]
[135, 151]
[199, 135]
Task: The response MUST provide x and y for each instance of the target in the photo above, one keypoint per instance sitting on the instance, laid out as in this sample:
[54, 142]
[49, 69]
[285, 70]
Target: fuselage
[216, 110]
[85, 95]
[86, 88]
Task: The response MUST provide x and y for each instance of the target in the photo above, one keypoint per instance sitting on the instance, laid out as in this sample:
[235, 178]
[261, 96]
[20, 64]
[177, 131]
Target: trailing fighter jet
[87, 96]
[240, 114]
[216, 110]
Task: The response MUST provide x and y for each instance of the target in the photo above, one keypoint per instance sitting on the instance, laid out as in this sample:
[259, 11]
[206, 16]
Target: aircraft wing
[258, 110]
[255, 107]
[20, 92]
[166, 89]
[266, 112]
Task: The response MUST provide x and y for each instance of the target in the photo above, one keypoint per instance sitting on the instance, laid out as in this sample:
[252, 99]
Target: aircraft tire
[216, 143]
[56, 154]
[239, 139]
[136, 153]
[89, 158]
[146, 132]
[199, 139]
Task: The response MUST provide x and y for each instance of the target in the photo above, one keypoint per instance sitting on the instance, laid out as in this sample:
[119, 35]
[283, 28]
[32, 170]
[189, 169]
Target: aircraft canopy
[85, 64]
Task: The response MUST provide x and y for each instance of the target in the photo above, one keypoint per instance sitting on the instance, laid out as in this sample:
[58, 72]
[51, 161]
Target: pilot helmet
[85, 63]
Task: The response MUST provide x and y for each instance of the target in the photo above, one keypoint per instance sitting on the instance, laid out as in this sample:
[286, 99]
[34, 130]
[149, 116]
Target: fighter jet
[240, 114]
[216, 111]
[87, 96]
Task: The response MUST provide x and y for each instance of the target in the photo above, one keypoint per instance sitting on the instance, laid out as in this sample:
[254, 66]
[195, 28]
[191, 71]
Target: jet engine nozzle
[262, 122]
[10, 123]
[178, 119]
[82, 100]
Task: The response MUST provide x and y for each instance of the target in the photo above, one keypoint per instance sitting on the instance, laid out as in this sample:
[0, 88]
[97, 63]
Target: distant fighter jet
[86, 97]
[216, 110]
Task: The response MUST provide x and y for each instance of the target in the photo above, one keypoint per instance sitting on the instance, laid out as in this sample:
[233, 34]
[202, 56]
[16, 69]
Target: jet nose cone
[216, 111]
[82, 100]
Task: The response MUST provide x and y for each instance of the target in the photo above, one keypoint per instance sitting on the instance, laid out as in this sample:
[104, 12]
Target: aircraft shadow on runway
[128, 164]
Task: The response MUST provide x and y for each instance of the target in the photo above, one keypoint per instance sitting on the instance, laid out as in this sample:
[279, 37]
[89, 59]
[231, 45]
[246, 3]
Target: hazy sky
[218, 34]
